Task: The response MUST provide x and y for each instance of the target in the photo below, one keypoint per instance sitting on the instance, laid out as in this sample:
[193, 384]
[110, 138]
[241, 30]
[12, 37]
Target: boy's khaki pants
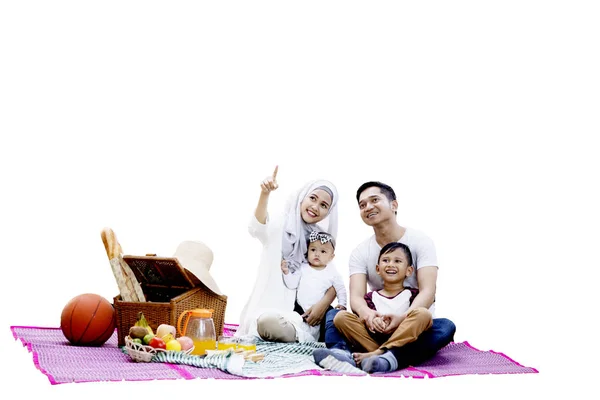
[416, 322]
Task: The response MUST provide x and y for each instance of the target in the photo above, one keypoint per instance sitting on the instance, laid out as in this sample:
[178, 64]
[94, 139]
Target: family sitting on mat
[391, 327]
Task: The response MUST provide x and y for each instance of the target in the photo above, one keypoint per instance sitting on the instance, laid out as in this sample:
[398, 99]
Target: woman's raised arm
[267, 186]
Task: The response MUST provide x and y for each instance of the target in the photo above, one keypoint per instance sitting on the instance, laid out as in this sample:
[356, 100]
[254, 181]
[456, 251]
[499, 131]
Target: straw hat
[197, 258]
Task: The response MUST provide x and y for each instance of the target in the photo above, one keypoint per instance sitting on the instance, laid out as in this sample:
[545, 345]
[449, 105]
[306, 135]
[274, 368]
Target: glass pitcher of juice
[199, 326]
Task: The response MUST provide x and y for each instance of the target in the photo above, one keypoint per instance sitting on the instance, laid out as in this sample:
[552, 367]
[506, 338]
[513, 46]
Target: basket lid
[160, 272]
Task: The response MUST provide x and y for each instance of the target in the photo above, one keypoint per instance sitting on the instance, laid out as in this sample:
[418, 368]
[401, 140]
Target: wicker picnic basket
[170, 290]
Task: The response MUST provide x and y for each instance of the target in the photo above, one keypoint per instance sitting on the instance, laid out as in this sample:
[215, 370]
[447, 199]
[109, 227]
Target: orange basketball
[88, 320]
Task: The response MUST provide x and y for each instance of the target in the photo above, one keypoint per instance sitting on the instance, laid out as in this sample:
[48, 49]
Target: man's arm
[426, 278]
[358, 289]
[426, 274]
[340, 289]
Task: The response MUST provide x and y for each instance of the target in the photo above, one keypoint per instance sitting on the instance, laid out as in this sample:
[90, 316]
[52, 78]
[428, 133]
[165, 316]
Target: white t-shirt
[363, 259]
[312, 284]
[392, 305]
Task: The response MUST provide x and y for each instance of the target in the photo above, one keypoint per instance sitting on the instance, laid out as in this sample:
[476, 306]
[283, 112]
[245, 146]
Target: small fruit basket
[144, 353]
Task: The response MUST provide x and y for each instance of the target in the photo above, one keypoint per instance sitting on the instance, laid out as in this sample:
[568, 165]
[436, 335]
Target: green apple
[148, 338]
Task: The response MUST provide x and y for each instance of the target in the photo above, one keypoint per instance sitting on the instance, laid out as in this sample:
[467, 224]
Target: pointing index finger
[275, 172]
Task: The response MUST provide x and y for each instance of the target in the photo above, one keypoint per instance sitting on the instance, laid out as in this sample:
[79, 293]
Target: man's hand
[368, 317]
[314, 315]
[392, 321]
[284, 267]
[270, 182]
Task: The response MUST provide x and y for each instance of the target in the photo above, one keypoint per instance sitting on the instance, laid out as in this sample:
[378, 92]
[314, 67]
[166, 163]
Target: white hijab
[296, 231]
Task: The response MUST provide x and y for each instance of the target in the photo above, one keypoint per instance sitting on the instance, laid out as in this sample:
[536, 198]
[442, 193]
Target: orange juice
[247, 346]
[226, 342]
[200, 346]
[226, 345]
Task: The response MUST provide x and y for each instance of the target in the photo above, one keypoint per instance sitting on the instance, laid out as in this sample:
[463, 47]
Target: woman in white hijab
[312, 208]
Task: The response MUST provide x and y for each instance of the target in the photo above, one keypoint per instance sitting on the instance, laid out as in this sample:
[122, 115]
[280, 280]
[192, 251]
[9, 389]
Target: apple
[146, 339]
[157, 343]
[174, 345]
[185, 342]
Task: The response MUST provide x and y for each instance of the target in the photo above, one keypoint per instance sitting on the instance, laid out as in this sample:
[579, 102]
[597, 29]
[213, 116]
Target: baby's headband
[321, 236]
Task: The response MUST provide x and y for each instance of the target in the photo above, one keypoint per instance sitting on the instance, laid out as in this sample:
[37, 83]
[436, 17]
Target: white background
[159, 120]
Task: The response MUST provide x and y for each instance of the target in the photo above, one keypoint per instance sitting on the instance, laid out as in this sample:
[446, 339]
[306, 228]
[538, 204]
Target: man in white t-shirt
[378, 208]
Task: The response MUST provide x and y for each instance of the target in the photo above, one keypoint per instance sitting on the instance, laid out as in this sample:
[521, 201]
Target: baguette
[111, 244]
[129, 287]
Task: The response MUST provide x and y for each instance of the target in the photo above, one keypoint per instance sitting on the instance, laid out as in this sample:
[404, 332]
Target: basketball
[88, 320]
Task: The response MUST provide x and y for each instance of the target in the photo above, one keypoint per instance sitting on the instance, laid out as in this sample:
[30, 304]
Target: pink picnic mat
[61, 362]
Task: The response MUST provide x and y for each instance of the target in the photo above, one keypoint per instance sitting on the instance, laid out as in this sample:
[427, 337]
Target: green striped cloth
[219, 361]
[280, 359]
